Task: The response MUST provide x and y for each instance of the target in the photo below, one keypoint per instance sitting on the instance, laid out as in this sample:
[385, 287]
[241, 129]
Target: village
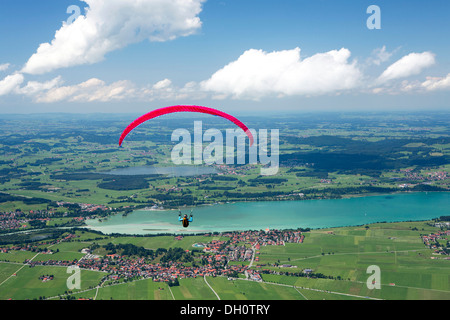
[418, 177]
[216, 258]
[438, 241]
[12, 220]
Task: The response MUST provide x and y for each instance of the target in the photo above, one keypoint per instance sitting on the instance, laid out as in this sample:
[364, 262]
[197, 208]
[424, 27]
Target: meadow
[409, 270]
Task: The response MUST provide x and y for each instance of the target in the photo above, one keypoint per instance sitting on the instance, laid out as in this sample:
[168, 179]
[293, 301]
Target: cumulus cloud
[409, 65]
[436, 83]
[89, 91]
[4, 66]
[166, 90]
[34, 87]
[256, 74]
[11, 83]
[163, 84]
[96, 90]
[416, 86]
[111, 25]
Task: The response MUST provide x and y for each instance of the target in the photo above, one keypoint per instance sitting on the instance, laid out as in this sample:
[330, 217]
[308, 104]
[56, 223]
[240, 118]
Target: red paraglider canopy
[166, 110]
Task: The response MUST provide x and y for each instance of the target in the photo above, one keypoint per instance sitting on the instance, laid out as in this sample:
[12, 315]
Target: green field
[138, 290]
[409, 270]
[27, 285]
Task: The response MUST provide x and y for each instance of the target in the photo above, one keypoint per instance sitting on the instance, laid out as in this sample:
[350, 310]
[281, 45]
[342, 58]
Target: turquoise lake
[283, 214]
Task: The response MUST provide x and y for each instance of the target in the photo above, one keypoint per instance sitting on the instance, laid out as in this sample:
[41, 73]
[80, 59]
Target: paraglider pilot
[185, 220]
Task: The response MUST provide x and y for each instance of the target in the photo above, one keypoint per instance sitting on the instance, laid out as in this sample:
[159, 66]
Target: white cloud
[4, 66]
[436, 83]
[166, 90]
[111, 25]
[379, 56]
[256, 74]
[409, 65]
[34, 87]
[89, 91]
[416, 86]
[56, 94]
[163, 84]
[96, 90]
[10, 83]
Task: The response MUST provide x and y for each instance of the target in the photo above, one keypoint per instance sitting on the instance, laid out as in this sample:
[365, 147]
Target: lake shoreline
[226, 217]
[347, 196]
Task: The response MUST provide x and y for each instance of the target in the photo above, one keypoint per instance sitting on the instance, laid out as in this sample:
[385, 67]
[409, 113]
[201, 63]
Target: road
[15, 273]
[218, 298]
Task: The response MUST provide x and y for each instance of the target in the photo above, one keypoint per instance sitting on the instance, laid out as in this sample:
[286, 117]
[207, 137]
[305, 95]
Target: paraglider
[185, 220]
[172, 109]
[182, 108]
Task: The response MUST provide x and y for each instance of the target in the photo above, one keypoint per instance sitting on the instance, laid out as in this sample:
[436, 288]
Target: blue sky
[294, 55]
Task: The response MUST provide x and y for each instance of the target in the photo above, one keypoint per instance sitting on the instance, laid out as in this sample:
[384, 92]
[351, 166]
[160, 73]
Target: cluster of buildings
[240, 253]
[437, 175]
[125, 268]
[131, 268]
[18, 220]
[245, 245]
[439, 241]
[266, 237]
[12, 220]
[410, 174]
[45, 278]
[85, 207]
